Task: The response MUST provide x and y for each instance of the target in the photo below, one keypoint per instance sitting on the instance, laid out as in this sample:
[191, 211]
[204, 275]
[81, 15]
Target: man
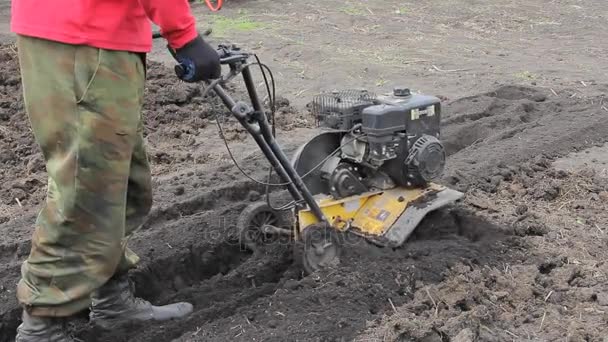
[83, 71]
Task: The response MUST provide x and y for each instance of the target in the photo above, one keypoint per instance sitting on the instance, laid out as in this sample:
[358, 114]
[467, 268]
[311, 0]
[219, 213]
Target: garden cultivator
[368, 172]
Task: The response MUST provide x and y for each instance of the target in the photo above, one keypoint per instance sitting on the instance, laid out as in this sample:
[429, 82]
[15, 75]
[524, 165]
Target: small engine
[385, 141]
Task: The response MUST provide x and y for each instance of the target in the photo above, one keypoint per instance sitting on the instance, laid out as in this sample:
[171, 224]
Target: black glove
[198, 61]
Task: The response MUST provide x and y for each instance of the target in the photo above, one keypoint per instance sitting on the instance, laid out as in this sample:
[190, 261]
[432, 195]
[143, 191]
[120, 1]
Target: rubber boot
[42, 329]
[114, 303]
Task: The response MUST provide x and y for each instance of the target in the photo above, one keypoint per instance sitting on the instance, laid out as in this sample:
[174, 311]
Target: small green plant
[401, 10]
[352, 10]
[525, 75]
[380, 82]
[224, 25]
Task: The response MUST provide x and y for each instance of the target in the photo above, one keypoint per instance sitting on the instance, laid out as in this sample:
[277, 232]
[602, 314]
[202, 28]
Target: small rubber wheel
[250, 222]
[319, 248]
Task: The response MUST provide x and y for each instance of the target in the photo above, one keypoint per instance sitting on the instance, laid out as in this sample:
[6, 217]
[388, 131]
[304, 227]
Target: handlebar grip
[180, 71]
[185, 70]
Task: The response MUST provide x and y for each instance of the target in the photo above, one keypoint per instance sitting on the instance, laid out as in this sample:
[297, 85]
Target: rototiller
[368, 172]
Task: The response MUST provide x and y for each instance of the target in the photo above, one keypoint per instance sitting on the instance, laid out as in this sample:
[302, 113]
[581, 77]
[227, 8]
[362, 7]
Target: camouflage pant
[84, 106]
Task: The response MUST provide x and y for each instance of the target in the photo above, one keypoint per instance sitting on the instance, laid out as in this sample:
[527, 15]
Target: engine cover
[398, 117]
[423, 162]
[373, 143]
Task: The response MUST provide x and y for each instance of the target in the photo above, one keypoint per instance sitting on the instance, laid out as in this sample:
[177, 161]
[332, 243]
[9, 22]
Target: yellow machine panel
[336, 211]
[381, 211]
[371, 213]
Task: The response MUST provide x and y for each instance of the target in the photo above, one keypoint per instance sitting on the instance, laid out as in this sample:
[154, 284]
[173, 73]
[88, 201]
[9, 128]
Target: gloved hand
[199, 61]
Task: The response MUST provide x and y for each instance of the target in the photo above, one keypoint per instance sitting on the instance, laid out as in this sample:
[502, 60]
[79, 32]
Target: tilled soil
[557, 291]
[521, 258]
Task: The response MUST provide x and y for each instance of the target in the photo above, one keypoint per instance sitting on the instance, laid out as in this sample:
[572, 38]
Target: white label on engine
[415, 114]
[428, 111]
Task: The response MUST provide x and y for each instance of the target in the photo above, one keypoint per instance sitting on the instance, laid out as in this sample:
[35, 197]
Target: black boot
[114, 303]
[42, 329]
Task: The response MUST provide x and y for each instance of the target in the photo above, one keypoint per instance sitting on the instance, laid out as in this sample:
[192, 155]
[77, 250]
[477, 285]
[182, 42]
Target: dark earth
[463, 263]
[522, 257]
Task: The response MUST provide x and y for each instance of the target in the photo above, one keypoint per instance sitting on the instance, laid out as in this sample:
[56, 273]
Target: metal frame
[254, 120]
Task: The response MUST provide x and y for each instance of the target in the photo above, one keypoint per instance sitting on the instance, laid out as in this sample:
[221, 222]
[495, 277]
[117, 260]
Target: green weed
[402, 10]
[224, 25]
[525, 75]
[352, 10]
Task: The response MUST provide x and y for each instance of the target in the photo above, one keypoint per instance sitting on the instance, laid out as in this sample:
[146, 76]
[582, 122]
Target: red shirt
[108, 24]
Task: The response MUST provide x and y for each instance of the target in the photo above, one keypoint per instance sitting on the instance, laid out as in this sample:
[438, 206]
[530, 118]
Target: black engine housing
[418, 164]
[400, 133]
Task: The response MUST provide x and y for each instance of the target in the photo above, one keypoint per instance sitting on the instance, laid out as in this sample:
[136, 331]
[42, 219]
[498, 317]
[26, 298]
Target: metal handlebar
[252, 118]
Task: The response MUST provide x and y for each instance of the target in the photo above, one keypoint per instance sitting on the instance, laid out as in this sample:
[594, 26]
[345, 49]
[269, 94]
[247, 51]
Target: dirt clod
[548, 194]
[602, 298]
[465, 335]
[521, 209]
[180, 190]
[254, 196]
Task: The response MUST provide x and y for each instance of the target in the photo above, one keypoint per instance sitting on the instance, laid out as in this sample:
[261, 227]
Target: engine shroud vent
[341, 109]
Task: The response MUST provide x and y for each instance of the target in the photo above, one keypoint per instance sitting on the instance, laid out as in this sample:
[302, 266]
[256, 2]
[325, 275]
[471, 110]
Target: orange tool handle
[216, 7]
